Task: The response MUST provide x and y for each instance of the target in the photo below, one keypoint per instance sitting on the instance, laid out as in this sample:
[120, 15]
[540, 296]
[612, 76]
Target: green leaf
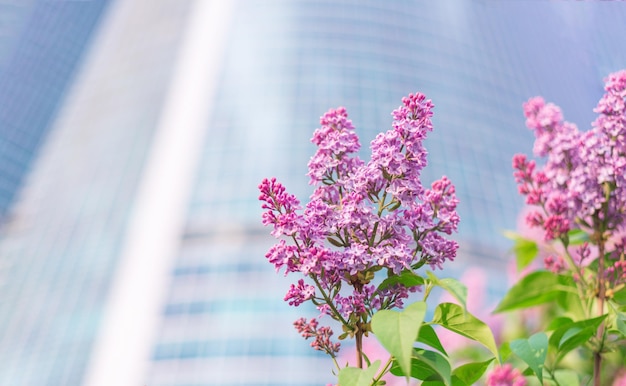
[525, 249]
[453, 286]
[469, 373]
[575, 337]
[427, 366]
[433, 383]
[533, 351]
[428, 336]
[505, 351]
[559, 322]
[536, 288]
[620, 323]
[335, 242]
[452, 317]
[353, 376]
[455, 382]
[407, 278]
[577, 237]
[559, 335]
[525, 252]
[418, 370]
[397, 331]
[570, 336]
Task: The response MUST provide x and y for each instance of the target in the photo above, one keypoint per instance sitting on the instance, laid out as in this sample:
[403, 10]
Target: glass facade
[60, 248]
[223, 321]
[41, 46]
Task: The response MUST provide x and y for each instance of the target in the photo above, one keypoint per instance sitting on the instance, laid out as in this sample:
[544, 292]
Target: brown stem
[358, 334]
[597, 355]
[359, 347]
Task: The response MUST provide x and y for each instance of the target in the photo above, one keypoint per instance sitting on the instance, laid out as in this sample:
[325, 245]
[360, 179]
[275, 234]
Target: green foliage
[452, 286]
[505, 351]
[559, 322]
[469, 373]
[577, 237]
[539, 287]
[465, 375]
[572, 335]
[407, 278]
[353, 376]
[397, 332]
[426, 365]
[620, 323]
[525, 250]
[454, 318]
[427, 335]
[533, 351]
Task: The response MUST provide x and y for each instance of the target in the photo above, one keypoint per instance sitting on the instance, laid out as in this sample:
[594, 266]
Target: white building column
[122, 350]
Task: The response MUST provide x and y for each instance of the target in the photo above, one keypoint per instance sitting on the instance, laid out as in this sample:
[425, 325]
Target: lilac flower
[617, 272]
[336, 140]
[582, 253]
[583, 182]
[361, 218]
[581, 185]
[282, 254]
[322, 341]
[506, 376]
[443, 203]
[300, 293]
[281, 208]
[556, 226]
[554, 264]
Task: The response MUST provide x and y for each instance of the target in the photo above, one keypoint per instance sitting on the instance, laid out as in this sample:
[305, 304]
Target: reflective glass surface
[60, 248]
[41, 46]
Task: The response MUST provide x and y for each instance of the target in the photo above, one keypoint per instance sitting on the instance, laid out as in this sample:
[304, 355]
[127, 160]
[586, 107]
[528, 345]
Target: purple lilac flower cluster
[322, 335]
[555, 264]
[583, 182]
[581, 192]
[362, 217]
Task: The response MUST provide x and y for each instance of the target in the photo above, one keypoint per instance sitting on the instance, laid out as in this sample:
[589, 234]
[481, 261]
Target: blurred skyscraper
[41, 44]
[134, 254]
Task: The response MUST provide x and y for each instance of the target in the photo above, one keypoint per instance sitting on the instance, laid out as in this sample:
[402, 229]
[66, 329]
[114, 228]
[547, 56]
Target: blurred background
[134, 133]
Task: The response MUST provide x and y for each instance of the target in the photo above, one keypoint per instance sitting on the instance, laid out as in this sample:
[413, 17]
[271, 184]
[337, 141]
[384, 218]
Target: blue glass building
[41, 46]
[61, 242]
[70, 262]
